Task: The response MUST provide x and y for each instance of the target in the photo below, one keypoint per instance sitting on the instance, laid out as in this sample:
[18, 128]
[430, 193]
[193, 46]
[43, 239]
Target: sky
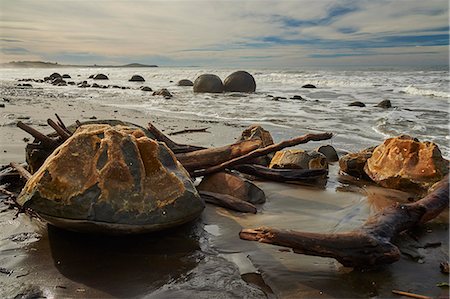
[230, 33]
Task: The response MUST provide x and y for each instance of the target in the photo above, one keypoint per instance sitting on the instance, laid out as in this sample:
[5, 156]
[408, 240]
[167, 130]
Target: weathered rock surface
[257, 132]
[208, 83]
[353, 163]
[240, 81]
[137, 78]
[403, 162]
[100, 77]
[185, 82]
[234, 185]
[112, 179]
[298, 159]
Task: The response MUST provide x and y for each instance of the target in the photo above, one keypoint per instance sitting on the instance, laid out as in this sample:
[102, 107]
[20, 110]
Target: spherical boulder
[208, 83]
[240, 81]
[100, 77]
[185, 82]
[137, 78]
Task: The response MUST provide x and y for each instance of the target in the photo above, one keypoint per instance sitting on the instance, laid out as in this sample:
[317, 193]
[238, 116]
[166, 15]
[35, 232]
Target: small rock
[100, 77]
[444, 267]
[357, 104]
[185, 82]
[92, 117]
[384, 104]
[2, 105]
[308, 86]
[66, 76]
[146, 88]
[163, 92]
[297, 97]
[137, 78]
[91, 77]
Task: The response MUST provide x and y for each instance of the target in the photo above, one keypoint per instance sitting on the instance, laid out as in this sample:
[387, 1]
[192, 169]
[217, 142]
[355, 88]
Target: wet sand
[205, 259]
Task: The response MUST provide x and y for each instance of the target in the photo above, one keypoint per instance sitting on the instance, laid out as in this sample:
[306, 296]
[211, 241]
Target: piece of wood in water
[228, 201]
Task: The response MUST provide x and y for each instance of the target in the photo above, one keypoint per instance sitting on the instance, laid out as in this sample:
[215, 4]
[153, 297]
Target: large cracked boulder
[240, 81]
[112, 179]
[403, 163]
[208, 83]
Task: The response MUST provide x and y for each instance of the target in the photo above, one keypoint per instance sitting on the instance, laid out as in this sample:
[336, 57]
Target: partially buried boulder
[308, 86]
[403, 163]
[353, 163]
[234, 185]
[54, 76]
[298, 159]
[112, 179]
[146, 88]
[208, 83]
[185, 82]
[100, 77]
[163, 92]
[240, 81]
[257, 132]
[137, 78]
[357, 104]
[66, 76]
[384, 104]
[329, 152]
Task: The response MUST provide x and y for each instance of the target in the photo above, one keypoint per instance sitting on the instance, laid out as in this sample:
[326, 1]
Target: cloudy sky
[227, 33]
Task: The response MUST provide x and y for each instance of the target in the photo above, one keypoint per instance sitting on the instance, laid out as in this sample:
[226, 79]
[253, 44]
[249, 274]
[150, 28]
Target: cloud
[222, 32]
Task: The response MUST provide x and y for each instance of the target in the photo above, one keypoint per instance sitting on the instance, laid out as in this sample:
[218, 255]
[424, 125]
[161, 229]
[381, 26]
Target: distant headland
[43, 64]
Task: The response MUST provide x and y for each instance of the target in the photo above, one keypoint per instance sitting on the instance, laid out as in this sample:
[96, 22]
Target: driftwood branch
[264, 151]
[61, 123]
[212, 156]
[282, 175]
[228, 201]
[21, 170]
[175, 147]
[367, 246]
[185, 131]
[61, 132]
[46, 141]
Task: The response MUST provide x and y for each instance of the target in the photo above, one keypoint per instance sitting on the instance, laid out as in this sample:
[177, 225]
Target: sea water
[420, 100]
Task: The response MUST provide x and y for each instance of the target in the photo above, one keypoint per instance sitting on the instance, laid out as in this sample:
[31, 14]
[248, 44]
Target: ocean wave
[426, 92]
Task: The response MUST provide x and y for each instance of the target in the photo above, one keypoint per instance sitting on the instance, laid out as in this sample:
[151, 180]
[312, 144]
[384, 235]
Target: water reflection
[125, 266]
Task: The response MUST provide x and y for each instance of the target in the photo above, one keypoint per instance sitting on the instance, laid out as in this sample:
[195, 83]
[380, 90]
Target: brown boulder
[234, 185]
[299, 159]
[240, 81]
[353, 163]
[208, 83]
[403, 163]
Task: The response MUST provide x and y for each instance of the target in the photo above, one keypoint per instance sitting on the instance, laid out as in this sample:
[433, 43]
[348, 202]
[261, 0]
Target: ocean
[420, 100]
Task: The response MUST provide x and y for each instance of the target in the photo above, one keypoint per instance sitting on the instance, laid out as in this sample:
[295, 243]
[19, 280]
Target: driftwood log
[282, 175]
[263, 151]
[175, 147]
[228, 201]
[213, 156]
[368, 245]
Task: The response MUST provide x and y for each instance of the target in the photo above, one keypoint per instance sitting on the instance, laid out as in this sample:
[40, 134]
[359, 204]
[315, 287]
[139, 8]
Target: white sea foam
[426, 92]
